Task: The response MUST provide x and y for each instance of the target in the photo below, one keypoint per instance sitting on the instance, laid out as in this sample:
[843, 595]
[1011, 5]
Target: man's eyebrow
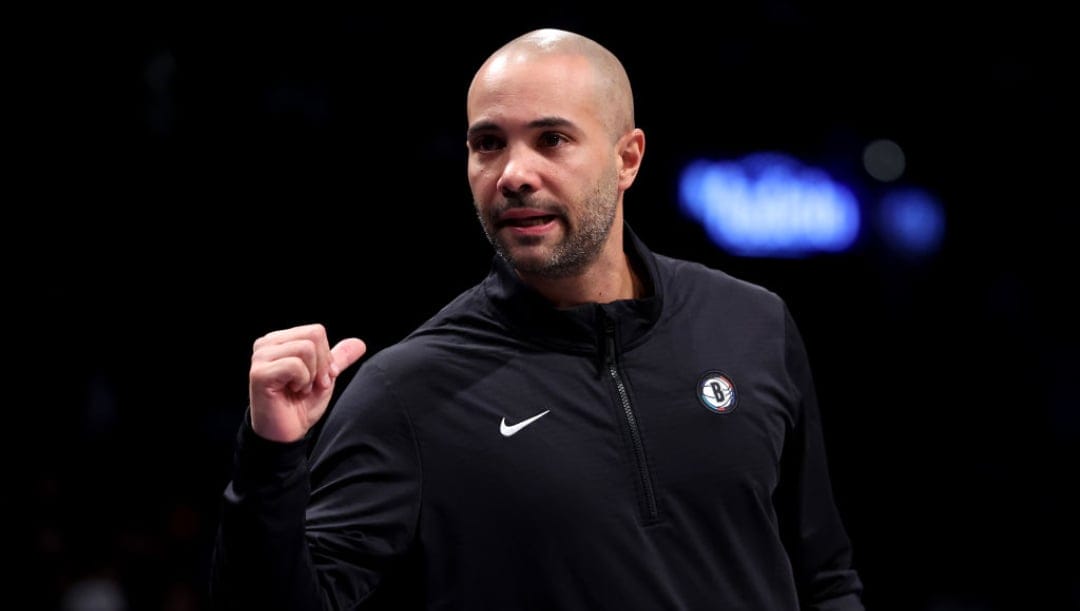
[482, 126]
[543, 122]
[550, 122]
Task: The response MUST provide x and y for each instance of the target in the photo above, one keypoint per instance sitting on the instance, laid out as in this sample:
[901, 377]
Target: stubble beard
[582, 244]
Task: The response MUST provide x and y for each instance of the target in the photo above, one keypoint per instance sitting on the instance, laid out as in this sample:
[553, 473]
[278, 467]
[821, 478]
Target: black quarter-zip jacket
[663, 453]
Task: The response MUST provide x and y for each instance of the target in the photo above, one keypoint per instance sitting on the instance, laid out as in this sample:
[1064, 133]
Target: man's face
[542, 165]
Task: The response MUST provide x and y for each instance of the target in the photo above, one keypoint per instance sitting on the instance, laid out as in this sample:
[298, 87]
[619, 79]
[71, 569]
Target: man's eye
[551, 139]
[486, 143]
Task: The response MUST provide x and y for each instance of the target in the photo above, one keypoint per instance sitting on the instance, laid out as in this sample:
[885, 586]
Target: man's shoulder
[684, 275]
[457, 325]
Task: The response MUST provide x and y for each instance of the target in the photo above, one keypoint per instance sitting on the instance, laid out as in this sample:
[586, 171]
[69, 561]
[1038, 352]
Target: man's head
[552, 147]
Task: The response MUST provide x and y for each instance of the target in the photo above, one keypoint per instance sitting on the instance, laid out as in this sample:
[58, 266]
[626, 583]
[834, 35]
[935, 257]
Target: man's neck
[609, 278]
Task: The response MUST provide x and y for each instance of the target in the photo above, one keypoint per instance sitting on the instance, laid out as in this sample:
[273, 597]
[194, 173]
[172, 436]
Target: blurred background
[196, 178]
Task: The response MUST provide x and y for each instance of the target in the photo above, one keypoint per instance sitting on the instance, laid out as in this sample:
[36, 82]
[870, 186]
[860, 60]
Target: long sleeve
[260, 555]
[321, 529]
[817, 543]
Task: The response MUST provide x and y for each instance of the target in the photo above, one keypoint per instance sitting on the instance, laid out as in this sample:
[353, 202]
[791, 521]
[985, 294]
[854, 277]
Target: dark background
[196, 178]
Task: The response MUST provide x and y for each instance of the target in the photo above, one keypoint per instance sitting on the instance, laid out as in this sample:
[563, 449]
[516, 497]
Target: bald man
[591, 426]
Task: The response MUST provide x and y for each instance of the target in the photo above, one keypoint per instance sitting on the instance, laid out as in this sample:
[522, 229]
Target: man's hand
[292, 379]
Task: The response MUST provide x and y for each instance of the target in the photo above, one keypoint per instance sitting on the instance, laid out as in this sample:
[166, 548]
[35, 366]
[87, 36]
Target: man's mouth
[527, 221]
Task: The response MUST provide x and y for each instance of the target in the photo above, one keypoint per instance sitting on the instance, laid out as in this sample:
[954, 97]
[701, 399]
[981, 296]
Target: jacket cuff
[260, 462]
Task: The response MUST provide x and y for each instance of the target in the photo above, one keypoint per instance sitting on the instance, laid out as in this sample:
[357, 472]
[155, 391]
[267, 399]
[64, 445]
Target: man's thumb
[345, 353]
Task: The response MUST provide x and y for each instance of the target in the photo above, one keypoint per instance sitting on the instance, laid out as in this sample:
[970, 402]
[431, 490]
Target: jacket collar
[580, 328]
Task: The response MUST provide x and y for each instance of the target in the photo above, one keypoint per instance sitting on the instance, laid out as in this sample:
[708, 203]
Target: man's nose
[519, 174]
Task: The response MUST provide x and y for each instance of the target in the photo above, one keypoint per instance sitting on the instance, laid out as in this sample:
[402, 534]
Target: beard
[584, 240]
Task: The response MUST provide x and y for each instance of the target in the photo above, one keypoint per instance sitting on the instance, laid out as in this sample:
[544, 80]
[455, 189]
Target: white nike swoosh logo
[510, 430]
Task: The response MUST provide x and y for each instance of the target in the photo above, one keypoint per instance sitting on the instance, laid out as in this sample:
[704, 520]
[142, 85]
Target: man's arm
[321, 532]
[817, 543]
[260, 556]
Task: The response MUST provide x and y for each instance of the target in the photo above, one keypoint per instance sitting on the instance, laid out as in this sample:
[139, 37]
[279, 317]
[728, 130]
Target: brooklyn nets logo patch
[717, 392]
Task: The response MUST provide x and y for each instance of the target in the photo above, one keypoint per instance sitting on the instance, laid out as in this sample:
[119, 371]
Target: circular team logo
[717, 392]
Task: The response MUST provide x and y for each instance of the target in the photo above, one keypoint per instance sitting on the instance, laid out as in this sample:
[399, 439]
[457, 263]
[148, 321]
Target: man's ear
[631, 149]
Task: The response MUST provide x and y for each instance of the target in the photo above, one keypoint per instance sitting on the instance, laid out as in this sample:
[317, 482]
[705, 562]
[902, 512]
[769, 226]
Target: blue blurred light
[769, 205]
[912, 222]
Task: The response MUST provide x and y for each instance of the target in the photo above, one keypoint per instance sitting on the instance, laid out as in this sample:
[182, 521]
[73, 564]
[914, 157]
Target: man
[592, 426]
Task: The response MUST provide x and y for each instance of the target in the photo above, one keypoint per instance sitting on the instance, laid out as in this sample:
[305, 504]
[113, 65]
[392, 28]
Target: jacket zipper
[644, 476]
